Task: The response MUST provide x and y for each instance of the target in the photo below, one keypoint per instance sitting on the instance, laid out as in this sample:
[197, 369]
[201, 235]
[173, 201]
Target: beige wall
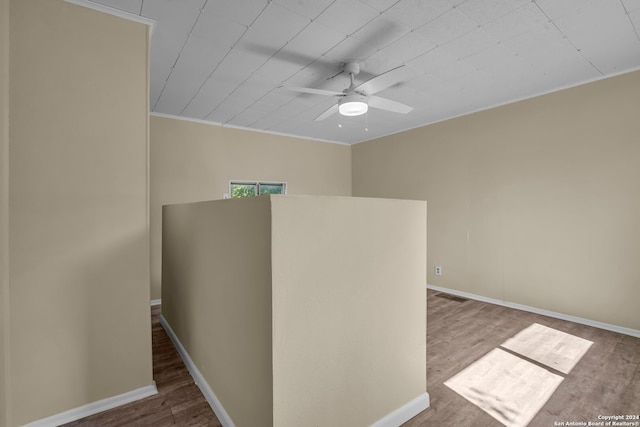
[349, 311]
[194, 161]
[535, 203]
[300, 310]
[4, 207]
[216, 296]
[79, 254]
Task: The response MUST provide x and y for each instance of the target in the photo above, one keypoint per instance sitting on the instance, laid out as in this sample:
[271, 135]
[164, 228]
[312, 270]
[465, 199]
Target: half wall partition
[298, 310]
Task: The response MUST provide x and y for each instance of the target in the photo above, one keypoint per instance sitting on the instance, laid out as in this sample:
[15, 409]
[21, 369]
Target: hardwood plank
[179, 401]
[605, 381]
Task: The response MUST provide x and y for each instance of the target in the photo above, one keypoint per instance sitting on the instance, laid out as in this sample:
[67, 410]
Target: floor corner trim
[405, 412]
[199, 379]
[588, 322]
[95, 407]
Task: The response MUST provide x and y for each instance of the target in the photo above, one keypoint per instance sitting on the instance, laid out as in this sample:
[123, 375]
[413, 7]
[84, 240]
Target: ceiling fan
[356, 100]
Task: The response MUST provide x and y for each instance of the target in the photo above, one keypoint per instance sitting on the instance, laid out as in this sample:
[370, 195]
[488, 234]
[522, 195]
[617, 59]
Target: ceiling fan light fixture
[353, 105]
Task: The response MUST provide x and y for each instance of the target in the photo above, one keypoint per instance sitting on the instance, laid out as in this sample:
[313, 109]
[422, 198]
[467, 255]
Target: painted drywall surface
[194, 161]
[534, 203]
[216, 295]
[79, 254]
[349, 314]
[4, 208]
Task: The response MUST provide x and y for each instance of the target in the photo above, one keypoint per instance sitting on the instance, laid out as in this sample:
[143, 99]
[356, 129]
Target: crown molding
[115, 12]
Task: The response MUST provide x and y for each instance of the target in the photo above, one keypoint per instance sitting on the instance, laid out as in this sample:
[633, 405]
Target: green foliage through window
[271, 188]
[248, 189]
[243, 190]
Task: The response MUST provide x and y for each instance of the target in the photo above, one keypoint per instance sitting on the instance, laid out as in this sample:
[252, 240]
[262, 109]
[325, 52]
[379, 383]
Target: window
[252, 188]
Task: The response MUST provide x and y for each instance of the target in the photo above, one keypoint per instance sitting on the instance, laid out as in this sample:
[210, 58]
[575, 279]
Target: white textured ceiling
[224, 60]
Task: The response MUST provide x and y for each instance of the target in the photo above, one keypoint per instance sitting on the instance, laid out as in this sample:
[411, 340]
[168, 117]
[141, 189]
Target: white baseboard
[394, 419]
[95, 407]
[405, 412]
[156, 302]
[562, 316]
[215, 404]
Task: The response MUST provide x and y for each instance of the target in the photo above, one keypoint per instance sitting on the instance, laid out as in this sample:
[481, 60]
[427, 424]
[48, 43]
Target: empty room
[324, 213]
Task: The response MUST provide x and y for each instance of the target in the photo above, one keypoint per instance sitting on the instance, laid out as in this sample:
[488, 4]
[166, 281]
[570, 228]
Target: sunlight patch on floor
[510, 389]
[553, 348]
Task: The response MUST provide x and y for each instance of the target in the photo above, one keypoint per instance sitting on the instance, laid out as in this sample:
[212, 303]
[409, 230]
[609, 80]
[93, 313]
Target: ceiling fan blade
[388, 105]
[311, 90]
[328, 112]
[384, 80]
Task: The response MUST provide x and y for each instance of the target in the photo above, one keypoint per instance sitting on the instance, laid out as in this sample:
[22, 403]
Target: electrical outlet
[438, 270]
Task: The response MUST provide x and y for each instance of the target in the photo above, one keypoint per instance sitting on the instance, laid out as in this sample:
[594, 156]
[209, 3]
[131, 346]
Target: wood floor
[179, 401]
[606, 381]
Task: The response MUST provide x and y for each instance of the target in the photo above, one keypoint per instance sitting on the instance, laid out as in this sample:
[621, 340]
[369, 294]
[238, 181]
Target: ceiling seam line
[195, 22]
[205, 81]
[626, 12]
[254, 72]
[303, 68]
[552, 22]
[223, 58]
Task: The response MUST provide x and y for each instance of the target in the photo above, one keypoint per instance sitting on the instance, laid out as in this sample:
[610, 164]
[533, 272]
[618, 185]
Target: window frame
[257, 184]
